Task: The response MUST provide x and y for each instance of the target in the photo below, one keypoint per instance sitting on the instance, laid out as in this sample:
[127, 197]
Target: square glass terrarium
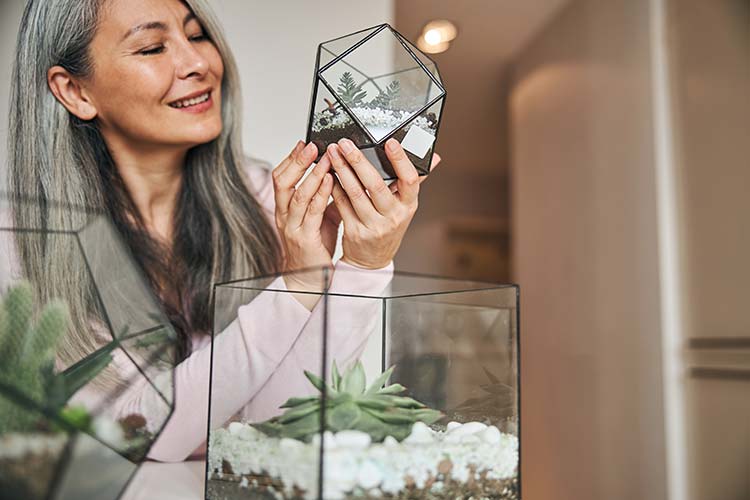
[373, 85]
[81, 339]
[420, 398]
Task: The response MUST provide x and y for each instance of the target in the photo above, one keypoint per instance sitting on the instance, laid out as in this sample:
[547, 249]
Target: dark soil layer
[262, 487]
[331, 135]
[28, 478]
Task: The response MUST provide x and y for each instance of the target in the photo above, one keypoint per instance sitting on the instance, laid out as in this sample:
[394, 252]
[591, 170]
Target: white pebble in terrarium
[377, 443]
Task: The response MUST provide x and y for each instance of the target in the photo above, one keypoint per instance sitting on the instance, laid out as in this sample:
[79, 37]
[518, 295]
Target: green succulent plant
[351, 405]
[28, 345]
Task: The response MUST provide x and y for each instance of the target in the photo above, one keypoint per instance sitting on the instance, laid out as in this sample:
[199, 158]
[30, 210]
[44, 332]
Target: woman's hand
[374, 225]
[299, 215]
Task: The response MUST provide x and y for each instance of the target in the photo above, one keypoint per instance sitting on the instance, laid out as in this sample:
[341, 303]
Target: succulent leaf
[292, 402]
[319, 383]
[336, 377]
[392, 389]
[344, 416]
[354, 380]
[299, 412]
[351, 405]
[380, 381]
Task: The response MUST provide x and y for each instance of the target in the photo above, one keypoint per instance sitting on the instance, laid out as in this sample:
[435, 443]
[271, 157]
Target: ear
[70, 93]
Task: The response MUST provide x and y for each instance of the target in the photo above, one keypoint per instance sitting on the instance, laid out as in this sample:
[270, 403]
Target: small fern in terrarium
[349, 92]
[351, 405]
[385, 98]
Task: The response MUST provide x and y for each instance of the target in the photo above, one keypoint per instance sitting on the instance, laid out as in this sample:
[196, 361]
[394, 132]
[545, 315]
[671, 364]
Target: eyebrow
[155, 25]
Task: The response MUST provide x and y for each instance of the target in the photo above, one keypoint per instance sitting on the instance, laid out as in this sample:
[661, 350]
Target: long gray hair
[220, 229]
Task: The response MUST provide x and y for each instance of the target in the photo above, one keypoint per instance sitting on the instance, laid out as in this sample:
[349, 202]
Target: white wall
[586, 257]
[275, 45]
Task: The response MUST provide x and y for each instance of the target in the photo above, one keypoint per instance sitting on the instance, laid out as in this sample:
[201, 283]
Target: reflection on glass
[80, 333]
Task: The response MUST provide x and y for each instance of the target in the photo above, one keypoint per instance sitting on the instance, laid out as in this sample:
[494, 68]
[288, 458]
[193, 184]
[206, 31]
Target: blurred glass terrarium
[373, 85]
[81, 339]
[420, 398]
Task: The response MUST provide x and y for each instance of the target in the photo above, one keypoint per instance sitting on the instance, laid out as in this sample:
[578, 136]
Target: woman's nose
[191, 62]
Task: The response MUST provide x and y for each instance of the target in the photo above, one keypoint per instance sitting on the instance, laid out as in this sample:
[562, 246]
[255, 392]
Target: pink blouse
[260, 357]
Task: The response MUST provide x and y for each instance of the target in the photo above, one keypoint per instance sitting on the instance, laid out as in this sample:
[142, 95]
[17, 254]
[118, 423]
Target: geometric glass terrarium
[370, 86]
[396, 385]
[86, 355]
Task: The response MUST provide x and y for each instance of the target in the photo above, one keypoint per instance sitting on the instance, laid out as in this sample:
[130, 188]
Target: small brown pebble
[410, 482]
[226, 467]
[134, 421]
[445, 466]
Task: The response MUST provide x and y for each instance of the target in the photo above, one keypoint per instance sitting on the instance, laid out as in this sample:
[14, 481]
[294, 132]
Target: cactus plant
[351, 405]
[27, 364]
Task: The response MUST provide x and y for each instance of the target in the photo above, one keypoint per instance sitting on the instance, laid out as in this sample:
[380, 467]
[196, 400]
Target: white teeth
[191, 102]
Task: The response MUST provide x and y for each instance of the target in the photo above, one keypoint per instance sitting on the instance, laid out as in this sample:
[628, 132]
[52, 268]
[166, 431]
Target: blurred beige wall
[585, 253]
[710, 53]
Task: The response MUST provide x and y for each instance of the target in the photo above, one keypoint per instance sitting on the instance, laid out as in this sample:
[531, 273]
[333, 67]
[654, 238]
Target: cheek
[215, 61]
[136, 85]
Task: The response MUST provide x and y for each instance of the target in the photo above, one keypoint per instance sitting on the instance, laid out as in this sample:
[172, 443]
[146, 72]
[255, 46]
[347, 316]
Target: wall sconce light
[437, 36]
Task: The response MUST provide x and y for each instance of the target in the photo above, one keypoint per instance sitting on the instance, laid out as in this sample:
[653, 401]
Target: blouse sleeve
[260, 357]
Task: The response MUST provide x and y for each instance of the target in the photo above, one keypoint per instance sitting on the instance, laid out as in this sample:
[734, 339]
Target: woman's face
[149, 56]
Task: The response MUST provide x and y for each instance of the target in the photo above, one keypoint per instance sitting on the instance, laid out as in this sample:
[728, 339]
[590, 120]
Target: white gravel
[353, 463]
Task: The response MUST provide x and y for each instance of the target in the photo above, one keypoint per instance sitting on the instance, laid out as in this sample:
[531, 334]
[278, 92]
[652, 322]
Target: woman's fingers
[359, 199]
[288, 174]
[344, 206]
[381, 196]
[317, 206]
[408, 177]
[436, 159]
[304, 194]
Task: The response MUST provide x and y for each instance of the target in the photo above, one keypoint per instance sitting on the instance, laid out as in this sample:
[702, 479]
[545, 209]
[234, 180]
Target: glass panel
[59, 292]
[419, 144]
[331, 122]
[31, 454]
[333, 48]
[381, 84]
[411, 382]
[429, 63]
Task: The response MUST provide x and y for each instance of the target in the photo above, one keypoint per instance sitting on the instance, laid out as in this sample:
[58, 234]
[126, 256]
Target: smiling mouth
[191, 102]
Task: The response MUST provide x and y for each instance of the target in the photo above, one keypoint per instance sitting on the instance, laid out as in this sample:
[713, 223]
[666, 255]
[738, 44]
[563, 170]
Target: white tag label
[418, 141]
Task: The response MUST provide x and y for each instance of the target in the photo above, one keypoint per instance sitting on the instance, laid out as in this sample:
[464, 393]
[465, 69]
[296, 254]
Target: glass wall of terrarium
[86, 356]
[373, 85]
[393, 385]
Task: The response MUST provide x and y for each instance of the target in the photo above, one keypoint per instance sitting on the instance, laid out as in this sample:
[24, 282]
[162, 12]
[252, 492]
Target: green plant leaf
[392, 389]
[354, 380]
[319, 383]
[299, 412]
[293, 402]
[378, 382]
[85, 370]
[427, 415]
[343, 416]
[392, 416]
[403, 402]
[336, 377]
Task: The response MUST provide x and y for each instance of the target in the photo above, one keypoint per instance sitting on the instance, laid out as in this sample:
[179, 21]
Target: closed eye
[155, 50]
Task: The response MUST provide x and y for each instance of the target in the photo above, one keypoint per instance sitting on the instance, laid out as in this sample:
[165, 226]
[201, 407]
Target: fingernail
[392, 145]
[333, 151]
[346, 145]
[310, 150]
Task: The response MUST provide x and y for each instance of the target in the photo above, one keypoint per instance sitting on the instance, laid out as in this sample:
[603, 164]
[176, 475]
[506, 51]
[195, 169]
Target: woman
[132, 107]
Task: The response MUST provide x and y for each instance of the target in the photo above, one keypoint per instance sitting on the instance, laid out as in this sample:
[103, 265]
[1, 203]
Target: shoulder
[259, 180]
